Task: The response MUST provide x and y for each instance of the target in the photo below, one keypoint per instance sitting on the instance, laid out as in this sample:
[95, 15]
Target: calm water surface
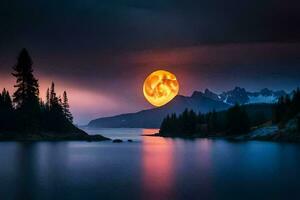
[149, 168]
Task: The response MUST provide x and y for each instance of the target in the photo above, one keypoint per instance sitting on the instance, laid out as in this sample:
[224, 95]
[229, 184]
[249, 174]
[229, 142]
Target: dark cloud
[128, 24]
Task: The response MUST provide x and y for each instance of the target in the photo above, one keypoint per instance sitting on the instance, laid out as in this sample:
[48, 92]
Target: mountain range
[199, 101]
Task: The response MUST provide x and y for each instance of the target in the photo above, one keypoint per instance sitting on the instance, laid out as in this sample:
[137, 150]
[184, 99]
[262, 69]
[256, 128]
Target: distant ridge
[242, 96]
[199, 101]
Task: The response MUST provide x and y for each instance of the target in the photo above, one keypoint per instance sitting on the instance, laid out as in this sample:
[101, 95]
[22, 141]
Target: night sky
[100, 51]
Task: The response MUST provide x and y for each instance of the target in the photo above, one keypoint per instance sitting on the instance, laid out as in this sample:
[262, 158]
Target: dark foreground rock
[117, 141]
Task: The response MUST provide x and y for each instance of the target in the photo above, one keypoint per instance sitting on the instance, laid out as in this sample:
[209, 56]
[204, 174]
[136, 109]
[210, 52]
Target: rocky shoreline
[79, 136]
[276, 136]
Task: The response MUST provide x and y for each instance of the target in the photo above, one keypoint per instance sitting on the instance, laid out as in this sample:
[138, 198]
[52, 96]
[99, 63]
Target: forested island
[239, 121]
[24, 116]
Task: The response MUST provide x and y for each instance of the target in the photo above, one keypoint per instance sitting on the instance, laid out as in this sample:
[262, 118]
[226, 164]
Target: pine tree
[7, 101]
[165, 126]
[47, 104]
[2, 113]
[56, 115]
[26, 96]
[6, 111]
[27, 92]
[1, 102]
[66, 107]
[52, 97]
[55, 102]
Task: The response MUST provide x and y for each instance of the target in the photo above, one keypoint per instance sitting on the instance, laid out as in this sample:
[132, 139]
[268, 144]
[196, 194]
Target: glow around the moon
[160, 87]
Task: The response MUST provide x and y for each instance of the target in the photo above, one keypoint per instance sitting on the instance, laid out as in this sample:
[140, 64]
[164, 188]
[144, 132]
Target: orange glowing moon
[160, 87]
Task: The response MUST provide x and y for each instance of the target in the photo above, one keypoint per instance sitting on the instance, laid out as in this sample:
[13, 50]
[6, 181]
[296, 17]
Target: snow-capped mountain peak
[242, 96]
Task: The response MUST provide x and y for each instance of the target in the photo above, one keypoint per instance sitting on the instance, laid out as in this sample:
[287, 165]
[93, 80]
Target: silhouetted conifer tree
[47, 104]
[27, 88]
[165, 125]
[26, 96]
[55, 103]
[6, 111]
[66, 107]
[7, 102]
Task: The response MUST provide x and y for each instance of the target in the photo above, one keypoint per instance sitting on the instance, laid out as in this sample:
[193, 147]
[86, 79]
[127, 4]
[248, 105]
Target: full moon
[160, 87]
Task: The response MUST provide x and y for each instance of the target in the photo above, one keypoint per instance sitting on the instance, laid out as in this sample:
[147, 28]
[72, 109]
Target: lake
[149, 168]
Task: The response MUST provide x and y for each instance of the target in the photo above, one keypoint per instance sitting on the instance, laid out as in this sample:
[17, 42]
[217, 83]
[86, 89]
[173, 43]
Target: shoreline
[276, 137]
[82, 136]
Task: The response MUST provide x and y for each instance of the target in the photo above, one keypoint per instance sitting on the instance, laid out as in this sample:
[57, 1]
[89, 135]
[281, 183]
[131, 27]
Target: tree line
[24, 112]
[287, 108]
[233, 121]
[236, 120]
